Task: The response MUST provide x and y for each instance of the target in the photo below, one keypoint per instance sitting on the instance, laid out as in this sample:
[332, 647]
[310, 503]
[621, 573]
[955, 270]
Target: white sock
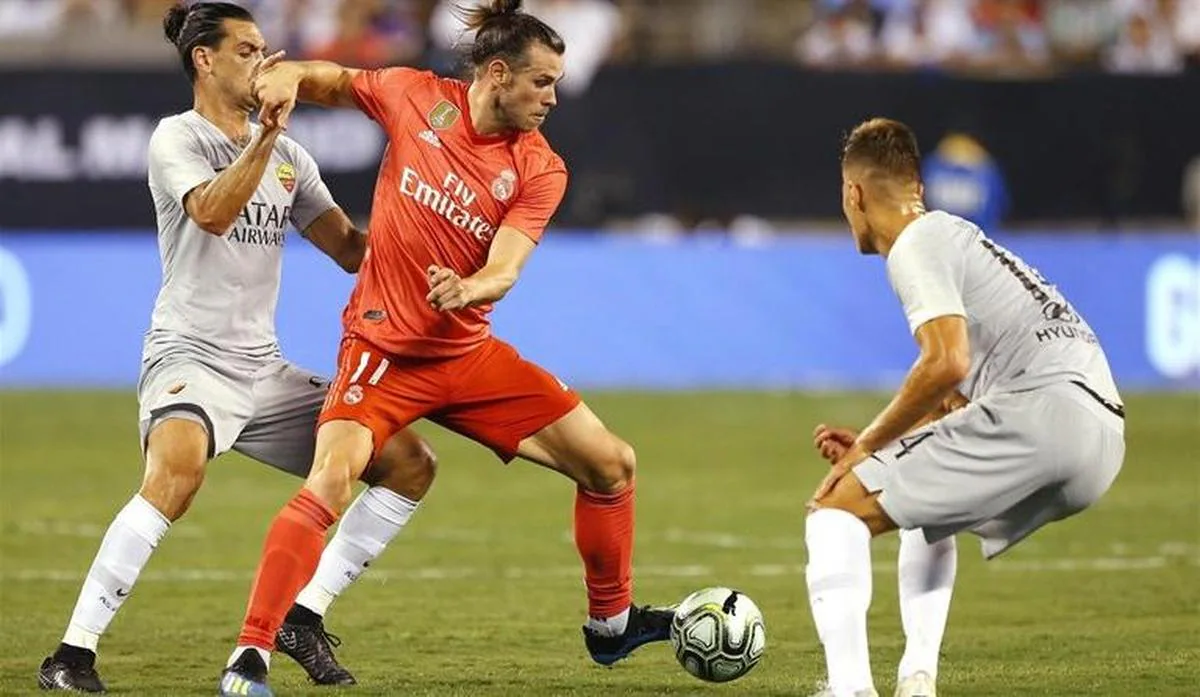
[370, 523]
[609, 626]
[839, 593]
[125, 549]
[266, 655]
[926, 574]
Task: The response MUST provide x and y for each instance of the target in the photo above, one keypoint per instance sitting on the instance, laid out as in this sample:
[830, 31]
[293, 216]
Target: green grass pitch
[482, 594]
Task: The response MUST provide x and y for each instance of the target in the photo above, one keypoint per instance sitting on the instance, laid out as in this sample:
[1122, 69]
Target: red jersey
[443, 191]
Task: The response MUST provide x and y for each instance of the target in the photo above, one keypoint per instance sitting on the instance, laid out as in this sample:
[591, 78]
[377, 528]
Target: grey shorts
[1001, 467]
[268, 412]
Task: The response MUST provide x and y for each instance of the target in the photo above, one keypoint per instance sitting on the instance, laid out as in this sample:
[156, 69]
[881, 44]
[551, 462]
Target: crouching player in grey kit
[1038, 438]
[212, 376]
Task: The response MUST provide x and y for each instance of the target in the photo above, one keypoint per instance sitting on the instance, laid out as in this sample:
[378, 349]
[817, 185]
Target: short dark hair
[503, 31]
[884, 144]
[188, 25]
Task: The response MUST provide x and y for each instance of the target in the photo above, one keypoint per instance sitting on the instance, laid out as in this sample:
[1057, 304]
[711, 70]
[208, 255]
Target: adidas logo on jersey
[430, 137]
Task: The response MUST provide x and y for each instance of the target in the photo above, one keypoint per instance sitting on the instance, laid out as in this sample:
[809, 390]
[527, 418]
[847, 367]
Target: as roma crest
[286, 174]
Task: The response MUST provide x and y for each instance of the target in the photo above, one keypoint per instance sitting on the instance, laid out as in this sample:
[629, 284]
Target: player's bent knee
[613, 471]
[851, 496]
[626, 462]
[407, 465]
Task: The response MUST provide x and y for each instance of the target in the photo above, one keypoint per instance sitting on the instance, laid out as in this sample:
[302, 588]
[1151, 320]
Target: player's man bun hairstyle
[503, 30]
[191, 24]
[886, 145]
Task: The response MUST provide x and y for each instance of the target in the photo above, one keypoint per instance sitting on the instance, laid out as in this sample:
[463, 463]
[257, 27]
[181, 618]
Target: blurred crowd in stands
[1008, 38]
[1005, 39]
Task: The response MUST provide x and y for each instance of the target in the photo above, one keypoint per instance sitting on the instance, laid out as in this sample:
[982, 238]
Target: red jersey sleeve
[537, 201]
[378, 92]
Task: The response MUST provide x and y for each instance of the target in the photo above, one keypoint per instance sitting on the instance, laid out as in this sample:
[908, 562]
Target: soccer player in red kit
[465, 190]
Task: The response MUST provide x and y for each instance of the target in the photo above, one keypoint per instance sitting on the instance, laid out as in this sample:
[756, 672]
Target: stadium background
[698, 286]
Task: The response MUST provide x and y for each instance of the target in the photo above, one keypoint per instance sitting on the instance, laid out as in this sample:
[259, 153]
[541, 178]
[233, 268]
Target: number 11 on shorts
[353, 393]
[364, 360]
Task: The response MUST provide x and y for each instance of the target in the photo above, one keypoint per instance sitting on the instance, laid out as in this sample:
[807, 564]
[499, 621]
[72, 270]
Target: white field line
[429, 573]
[703, 539]
[58, 528]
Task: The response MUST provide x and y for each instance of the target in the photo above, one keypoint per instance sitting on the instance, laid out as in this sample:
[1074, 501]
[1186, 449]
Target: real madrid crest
[504, 185]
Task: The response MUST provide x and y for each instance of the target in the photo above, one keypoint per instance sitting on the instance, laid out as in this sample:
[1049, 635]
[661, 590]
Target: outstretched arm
[315, 82]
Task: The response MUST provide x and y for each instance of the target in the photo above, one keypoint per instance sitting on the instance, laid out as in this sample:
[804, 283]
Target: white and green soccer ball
[718, 634]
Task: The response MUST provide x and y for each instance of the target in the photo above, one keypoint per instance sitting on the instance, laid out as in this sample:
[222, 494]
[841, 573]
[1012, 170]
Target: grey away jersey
[1023, 332]
[222, 290]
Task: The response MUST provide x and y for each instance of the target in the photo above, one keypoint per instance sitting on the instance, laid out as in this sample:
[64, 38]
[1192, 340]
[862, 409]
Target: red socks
[604, 537]
[290, 556]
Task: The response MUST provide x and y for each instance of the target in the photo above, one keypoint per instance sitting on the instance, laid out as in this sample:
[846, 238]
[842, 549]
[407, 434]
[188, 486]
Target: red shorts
[490, 395]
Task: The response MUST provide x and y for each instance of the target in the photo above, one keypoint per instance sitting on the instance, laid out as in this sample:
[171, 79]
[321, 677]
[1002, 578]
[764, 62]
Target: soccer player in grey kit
[1009, 419]
[212, 377]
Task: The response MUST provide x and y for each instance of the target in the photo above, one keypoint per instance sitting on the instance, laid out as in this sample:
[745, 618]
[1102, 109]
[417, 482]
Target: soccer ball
[718, 634]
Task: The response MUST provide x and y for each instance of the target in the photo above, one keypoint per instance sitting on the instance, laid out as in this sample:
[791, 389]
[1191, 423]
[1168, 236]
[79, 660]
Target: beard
[502, 114]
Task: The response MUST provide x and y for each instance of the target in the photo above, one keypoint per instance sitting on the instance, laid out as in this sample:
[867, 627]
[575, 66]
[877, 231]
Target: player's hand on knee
[854, 455]
[830, 480]
[832, 441]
